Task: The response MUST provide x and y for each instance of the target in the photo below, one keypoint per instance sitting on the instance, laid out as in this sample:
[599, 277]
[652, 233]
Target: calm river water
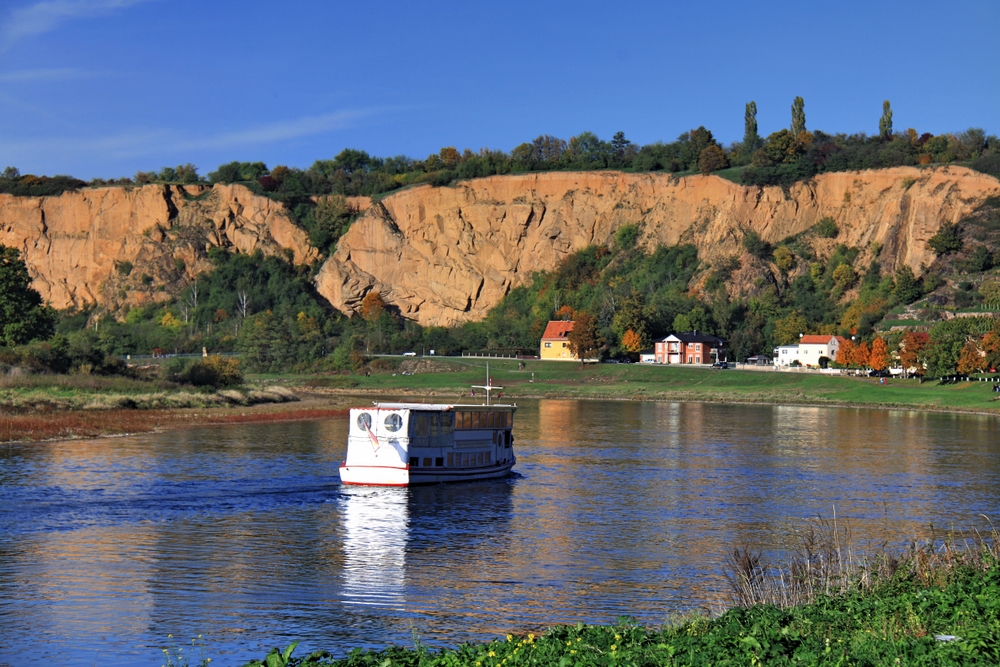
[243, 534]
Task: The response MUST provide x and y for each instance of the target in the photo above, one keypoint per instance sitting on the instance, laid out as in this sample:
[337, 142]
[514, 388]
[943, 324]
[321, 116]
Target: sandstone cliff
[79, 246]
[447, 255]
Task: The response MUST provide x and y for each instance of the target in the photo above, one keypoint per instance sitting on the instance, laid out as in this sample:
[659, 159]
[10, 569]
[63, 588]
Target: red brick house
[691, 348]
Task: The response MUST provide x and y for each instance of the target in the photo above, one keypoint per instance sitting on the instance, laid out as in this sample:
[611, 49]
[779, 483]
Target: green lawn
[550, 379]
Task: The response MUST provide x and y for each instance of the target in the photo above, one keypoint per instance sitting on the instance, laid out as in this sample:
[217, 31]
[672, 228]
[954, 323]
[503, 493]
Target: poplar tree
[751, 140]
[798, 116]
[885, 123]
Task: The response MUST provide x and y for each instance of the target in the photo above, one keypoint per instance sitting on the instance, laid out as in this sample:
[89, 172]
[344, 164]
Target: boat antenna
[489, 386]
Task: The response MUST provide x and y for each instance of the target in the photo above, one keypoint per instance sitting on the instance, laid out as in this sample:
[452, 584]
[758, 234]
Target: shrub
[827, 228]
[214, 371]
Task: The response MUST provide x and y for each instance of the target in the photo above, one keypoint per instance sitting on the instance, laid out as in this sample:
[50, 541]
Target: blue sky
[104, 88]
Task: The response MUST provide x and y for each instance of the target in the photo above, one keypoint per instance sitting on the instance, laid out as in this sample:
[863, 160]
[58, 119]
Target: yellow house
[554, 342]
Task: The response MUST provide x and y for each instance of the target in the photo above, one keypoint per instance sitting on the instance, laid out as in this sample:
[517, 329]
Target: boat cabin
[431, 441]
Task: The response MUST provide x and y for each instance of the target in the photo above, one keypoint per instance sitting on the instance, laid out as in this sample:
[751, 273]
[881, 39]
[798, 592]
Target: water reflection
[244, 534]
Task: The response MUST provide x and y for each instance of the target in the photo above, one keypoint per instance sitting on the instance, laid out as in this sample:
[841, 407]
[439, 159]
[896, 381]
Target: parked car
[409, 354]
[720, 364]
[879, 374]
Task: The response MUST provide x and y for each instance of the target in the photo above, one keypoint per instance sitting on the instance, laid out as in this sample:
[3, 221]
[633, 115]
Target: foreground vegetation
[937, 604]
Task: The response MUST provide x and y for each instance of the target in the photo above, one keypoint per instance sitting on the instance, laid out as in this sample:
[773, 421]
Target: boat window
[419, 424]
[447, 422]
[438, 462]
[475, 420]
[492, 419]
[427, 462]
[393, 422]
[451, 459]
[414, 462]
[434, 427]
[510, 419]
[364, 421]
[467, 420]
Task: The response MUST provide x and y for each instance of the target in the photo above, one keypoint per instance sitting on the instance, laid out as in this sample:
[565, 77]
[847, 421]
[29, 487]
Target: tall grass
[827, 562]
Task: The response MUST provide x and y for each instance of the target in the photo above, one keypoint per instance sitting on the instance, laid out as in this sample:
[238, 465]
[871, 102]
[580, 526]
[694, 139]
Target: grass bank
[539, 379]
[933, 605]
[45, 407]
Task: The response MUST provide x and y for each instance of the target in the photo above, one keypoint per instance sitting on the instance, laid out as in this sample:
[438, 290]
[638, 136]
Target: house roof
[818, 340]
[695, 337]
[557, 329]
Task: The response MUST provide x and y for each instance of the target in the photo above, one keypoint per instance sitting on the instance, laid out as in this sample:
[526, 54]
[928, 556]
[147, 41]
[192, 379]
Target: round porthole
[364, 421]
[393, 423]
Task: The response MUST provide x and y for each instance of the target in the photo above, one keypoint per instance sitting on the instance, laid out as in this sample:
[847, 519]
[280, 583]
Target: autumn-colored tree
[631, 341]
[878, 358]
[971, 360]
[372, 306]
[843, 276]
[846, 354]
[911, 352]
[565, 313]
[713, 158]
[585, 339]
[990, 345]
[450, 157]
[784, 259]
[862, 358]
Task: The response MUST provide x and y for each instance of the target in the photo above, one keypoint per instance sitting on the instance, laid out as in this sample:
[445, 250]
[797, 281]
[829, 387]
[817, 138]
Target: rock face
[127, 246]
[446, 255]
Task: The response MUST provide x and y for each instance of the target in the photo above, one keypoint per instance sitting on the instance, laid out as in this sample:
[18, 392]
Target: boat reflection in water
[401, 542]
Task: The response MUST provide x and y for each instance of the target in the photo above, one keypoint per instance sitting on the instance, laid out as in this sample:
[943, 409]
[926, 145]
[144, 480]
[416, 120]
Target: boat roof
[435, 407]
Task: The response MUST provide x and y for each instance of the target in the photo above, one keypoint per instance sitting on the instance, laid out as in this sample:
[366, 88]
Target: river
[243, 534]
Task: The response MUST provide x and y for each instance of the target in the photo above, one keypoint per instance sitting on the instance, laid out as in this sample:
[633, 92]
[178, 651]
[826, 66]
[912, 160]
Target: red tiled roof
[557, 329]
[815, 340]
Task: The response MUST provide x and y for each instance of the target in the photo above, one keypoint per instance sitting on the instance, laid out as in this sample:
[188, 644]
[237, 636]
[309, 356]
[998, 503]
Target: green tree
[751, 140]
[798, 116]
[787, 329]
[907, 289]
[885, 123]
[23, 317]
[948, 239]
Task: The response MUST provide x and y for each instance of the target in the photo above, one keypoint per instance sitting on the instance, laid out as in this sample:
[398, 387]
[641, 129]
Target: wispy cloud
[171, 142]
[42, 17]
[56, 74]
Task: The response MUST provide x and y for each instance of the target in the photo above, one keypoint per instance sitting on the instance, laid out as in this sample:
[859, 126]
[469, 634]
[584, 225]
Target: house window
[697, 347]
[548, 345]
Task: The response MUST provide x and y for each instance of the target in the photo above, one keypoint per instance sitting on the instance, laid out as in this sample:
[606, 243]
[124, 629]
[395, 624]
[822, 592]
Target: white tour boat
[402, 444]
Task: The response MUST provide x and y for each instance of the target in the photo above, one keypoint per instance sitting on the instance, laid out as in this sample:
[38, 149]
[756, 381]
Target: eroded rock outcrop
[116, 246]
[446, 255]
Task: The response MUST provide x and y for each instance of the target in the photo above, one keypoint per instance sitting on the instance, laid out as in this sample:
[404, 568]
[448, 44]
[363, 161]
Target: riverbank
[453, 379]
[63, 407]
[951, 620]
[49, 407]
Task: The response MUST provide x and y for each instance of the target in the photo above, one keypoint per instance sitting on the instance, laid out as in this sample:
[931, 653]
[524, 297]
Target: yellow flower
[579, 639]
[613, 647]
[510, 637]
[569, 643]
[573, 652]
[492, 654]
[531, 637]
[617, 636]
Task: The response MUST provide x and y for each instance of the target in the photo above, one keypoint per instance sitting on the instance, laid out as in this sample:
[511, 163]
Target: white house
[813, 348]
[784, 355]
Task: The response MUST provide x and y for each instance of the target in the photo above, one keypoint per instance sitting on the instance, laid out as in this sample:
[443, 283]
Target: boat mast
[489, 386]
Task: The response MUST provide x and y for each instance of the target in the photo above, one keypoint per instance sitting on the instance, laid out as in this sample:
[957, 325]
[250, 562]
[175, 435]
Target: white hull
[387, 476]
